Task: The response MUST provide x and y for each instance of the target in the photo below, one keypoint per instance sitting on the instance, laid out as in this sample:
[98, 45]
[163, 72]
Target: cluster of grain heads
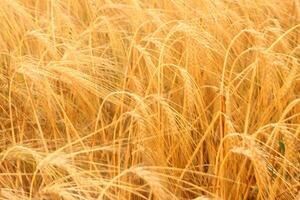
[160, 99]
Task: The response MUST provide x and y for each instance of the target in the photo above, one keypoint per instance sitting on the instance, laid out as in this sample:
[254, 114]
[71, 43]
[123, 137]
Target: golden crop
[149, 99]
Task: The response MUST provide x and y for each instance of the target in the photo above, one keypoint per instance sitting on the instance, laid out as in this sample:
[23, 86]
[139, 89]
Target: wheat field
[149, 99]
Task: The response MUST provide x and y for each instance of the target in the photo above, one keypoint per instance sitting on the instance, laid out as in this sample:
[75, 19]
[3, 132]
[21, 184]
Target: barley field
[149, 99]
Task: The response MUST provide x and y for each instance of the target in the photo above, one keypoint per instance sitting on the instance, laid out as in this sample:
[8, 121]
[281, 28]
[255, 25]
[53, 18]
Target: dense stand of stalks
[149, 99]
